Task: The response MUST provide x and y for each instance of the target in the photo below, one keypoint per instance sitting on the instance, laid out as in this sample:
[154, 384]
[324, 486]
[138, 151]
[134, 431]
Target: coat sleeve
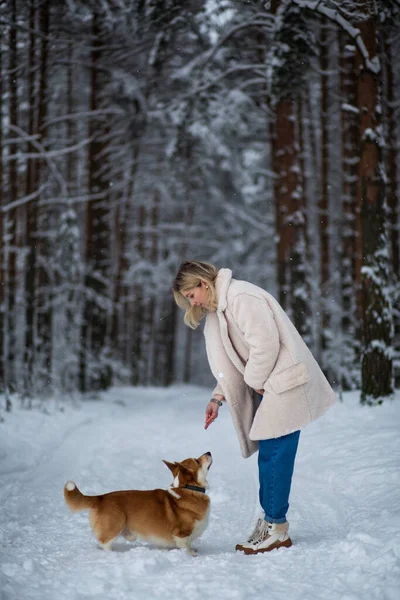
[255, 320]
[217, 390]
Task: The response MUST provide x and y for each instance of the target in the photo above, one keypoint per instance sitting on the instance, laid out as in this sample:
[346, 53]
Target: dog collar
[195, 488]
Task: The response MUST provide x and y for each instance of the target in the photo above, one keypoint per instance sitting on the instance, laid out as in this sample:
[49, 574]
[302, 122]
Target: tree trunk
[154, 370]
[393, 199]
[392, 181]
[31, 217]
[97, 298]
[289, 207]
[11, 218]
[323, 206]
[372, 255]
[122, 319]
[290, 219]
[2, 244]
[69, 239]
[350, 159]
[301, 292]
[42, 312]
[138, 304]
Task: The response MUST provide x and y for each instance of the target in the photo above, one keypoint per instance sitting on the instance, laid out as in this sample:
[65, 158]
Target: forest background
[134, 134]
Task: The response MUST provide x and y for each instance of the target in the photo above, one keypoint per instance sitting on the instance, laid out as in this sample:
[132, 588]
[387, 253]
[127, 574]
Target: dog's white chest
[201, 525]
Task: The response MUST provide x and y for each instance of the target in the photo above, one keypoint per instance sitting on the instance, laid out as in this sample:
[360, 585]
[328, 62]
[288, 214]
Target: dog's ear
[182, 468]
[171, 466]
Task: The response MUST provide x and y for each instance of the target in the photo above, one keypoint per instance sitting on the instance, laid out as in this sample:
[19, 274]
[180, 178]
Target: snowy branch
[21, 201]
[50, 153]
[85, 114]
[244, 215]
[52, 166]
[16, 140]
[372, 64]
[218, 78]
[222, 41]
[87, 197]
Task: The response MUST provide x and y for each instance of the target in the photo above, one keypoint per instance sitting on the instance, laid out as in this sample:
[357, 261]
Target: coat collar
[222, 284]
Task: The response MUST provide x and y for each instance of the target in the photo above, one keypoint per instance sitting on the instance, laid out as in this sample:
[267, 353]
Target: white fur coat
[252, 344]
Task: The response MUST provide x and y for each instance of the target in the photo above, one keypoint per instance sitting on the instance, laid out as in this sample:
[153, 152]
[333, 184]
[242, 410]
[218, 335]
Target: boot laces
[256, 530]
[262, 532]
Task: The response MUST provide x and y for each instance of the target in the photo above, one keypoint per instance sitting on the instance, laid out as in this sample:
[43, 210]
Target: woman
[255, 351]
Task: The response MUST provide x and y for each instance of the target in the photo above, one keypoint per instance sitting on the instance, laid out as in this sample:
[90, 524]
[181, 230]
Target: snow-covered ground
[344, 515]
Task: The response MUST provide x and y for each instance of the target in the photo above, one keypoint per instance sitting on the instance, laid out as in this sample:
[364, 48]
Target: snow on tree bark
[350, 146]
[94, 369]
[290, 44]
[372, 255]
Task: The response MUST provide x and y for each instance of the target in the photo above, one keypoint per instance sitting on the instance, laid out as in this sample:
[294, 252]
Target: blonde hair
[191, 274]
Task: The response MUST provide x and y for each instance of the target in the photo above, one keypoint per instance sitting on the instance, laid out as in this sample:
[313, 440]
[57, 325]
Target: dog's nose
[208, 453]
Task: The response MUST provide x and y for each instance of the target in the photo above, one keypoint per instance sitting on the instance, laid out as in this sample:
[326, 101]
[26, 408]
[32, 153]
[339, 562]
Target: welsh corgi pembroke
[172, 518]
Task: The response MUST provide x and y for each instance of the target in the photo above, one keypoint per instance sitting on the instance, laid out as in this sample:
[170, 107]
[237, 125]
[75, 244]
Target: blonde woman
[265, 374]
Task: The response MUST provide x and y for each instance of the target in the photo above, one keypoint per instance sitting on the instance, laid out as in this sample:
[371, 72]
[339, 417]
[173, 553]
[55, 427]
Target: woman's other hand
[211, 413]
[261, 392]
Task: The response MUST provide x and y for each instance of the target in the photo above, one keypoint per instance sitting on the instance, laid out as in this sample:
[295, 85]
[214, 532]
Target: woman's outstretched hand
[211, 413]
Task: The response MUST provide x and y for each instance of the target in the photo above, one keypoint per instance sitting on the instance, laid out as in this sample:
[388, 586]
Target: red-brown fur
[154, 515]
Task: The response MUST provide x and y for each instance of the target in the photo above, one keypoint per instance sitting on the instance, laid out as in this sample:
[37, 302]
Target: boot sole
[239, 547]
[286, 544]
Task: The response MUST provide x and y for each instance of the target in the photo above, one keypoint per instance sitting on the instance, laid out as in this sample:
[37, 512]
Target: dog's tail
[76, 500]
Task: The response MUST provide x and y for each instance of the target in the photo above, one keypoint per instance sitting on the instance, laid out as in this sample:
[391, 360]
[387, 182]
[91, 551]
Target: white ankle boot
[254, 535]
[268, 537]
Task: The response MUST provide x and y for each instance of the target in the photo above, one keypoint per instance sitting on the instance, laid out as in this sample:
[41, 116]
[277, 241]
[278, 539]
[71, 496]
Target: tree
[292, 45]
[323, 205]
[94, 371]
[372, 256]
[2, 246]
[12, 214]
[31, 217]
[350, 150]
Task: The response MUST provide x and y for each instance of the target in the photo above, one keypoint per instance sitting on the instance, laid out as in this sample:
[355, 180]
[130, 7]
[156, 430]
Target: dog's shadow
[127, 547]
[120, 547]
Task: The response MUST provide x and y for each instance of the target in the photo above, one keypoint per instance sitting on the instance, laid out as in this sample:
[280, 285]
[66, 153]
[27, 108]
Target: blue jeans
[275, 469]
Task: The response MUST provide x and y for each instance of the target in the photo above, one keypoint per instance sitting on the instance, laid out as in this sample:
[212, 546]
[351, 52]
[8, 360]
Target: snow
[344, 515]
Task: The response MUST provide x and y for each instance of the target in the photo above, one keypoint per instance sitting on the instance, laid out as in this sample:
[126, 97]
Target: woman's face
[197, 296]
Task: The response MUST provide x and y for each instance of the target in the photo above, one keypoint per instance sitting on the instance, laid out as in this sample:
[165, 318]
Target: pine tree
[2, 245]
[94, 369]
[373, 257]
[292, 45]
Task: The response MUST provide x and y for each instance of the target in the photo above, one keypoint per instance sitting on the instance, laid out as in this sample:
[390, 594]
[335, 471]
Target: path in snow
[344, 515]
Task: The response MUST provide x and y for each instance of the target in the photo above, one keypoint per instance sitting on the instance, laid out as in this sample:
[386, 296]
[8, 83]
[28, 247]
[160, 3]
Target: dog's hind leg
[107, 527]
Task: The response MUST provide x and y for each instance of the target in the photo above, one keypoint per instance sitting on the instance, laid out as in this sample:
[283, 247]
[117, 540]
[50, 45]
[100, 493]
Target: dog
[171, 518]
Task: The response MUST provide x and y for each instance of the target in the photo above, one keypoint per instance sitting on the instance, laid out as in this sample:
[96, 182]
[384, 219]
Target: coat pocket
[289, 378]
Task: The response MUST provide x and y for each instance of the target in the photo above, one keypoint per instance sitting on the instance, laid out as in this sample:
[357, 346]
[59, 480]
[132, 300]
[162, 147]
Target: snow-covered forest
[261, 136]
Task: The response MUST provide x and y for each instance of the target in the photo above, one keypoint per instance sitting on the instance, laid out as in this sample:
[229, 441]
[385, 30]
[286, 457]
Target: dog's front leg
[184, 544]
[129, 536]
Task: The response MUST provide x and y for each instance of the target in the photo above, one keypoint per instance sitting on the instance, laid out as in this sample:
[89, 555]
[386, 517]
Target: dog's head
[191, 471]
